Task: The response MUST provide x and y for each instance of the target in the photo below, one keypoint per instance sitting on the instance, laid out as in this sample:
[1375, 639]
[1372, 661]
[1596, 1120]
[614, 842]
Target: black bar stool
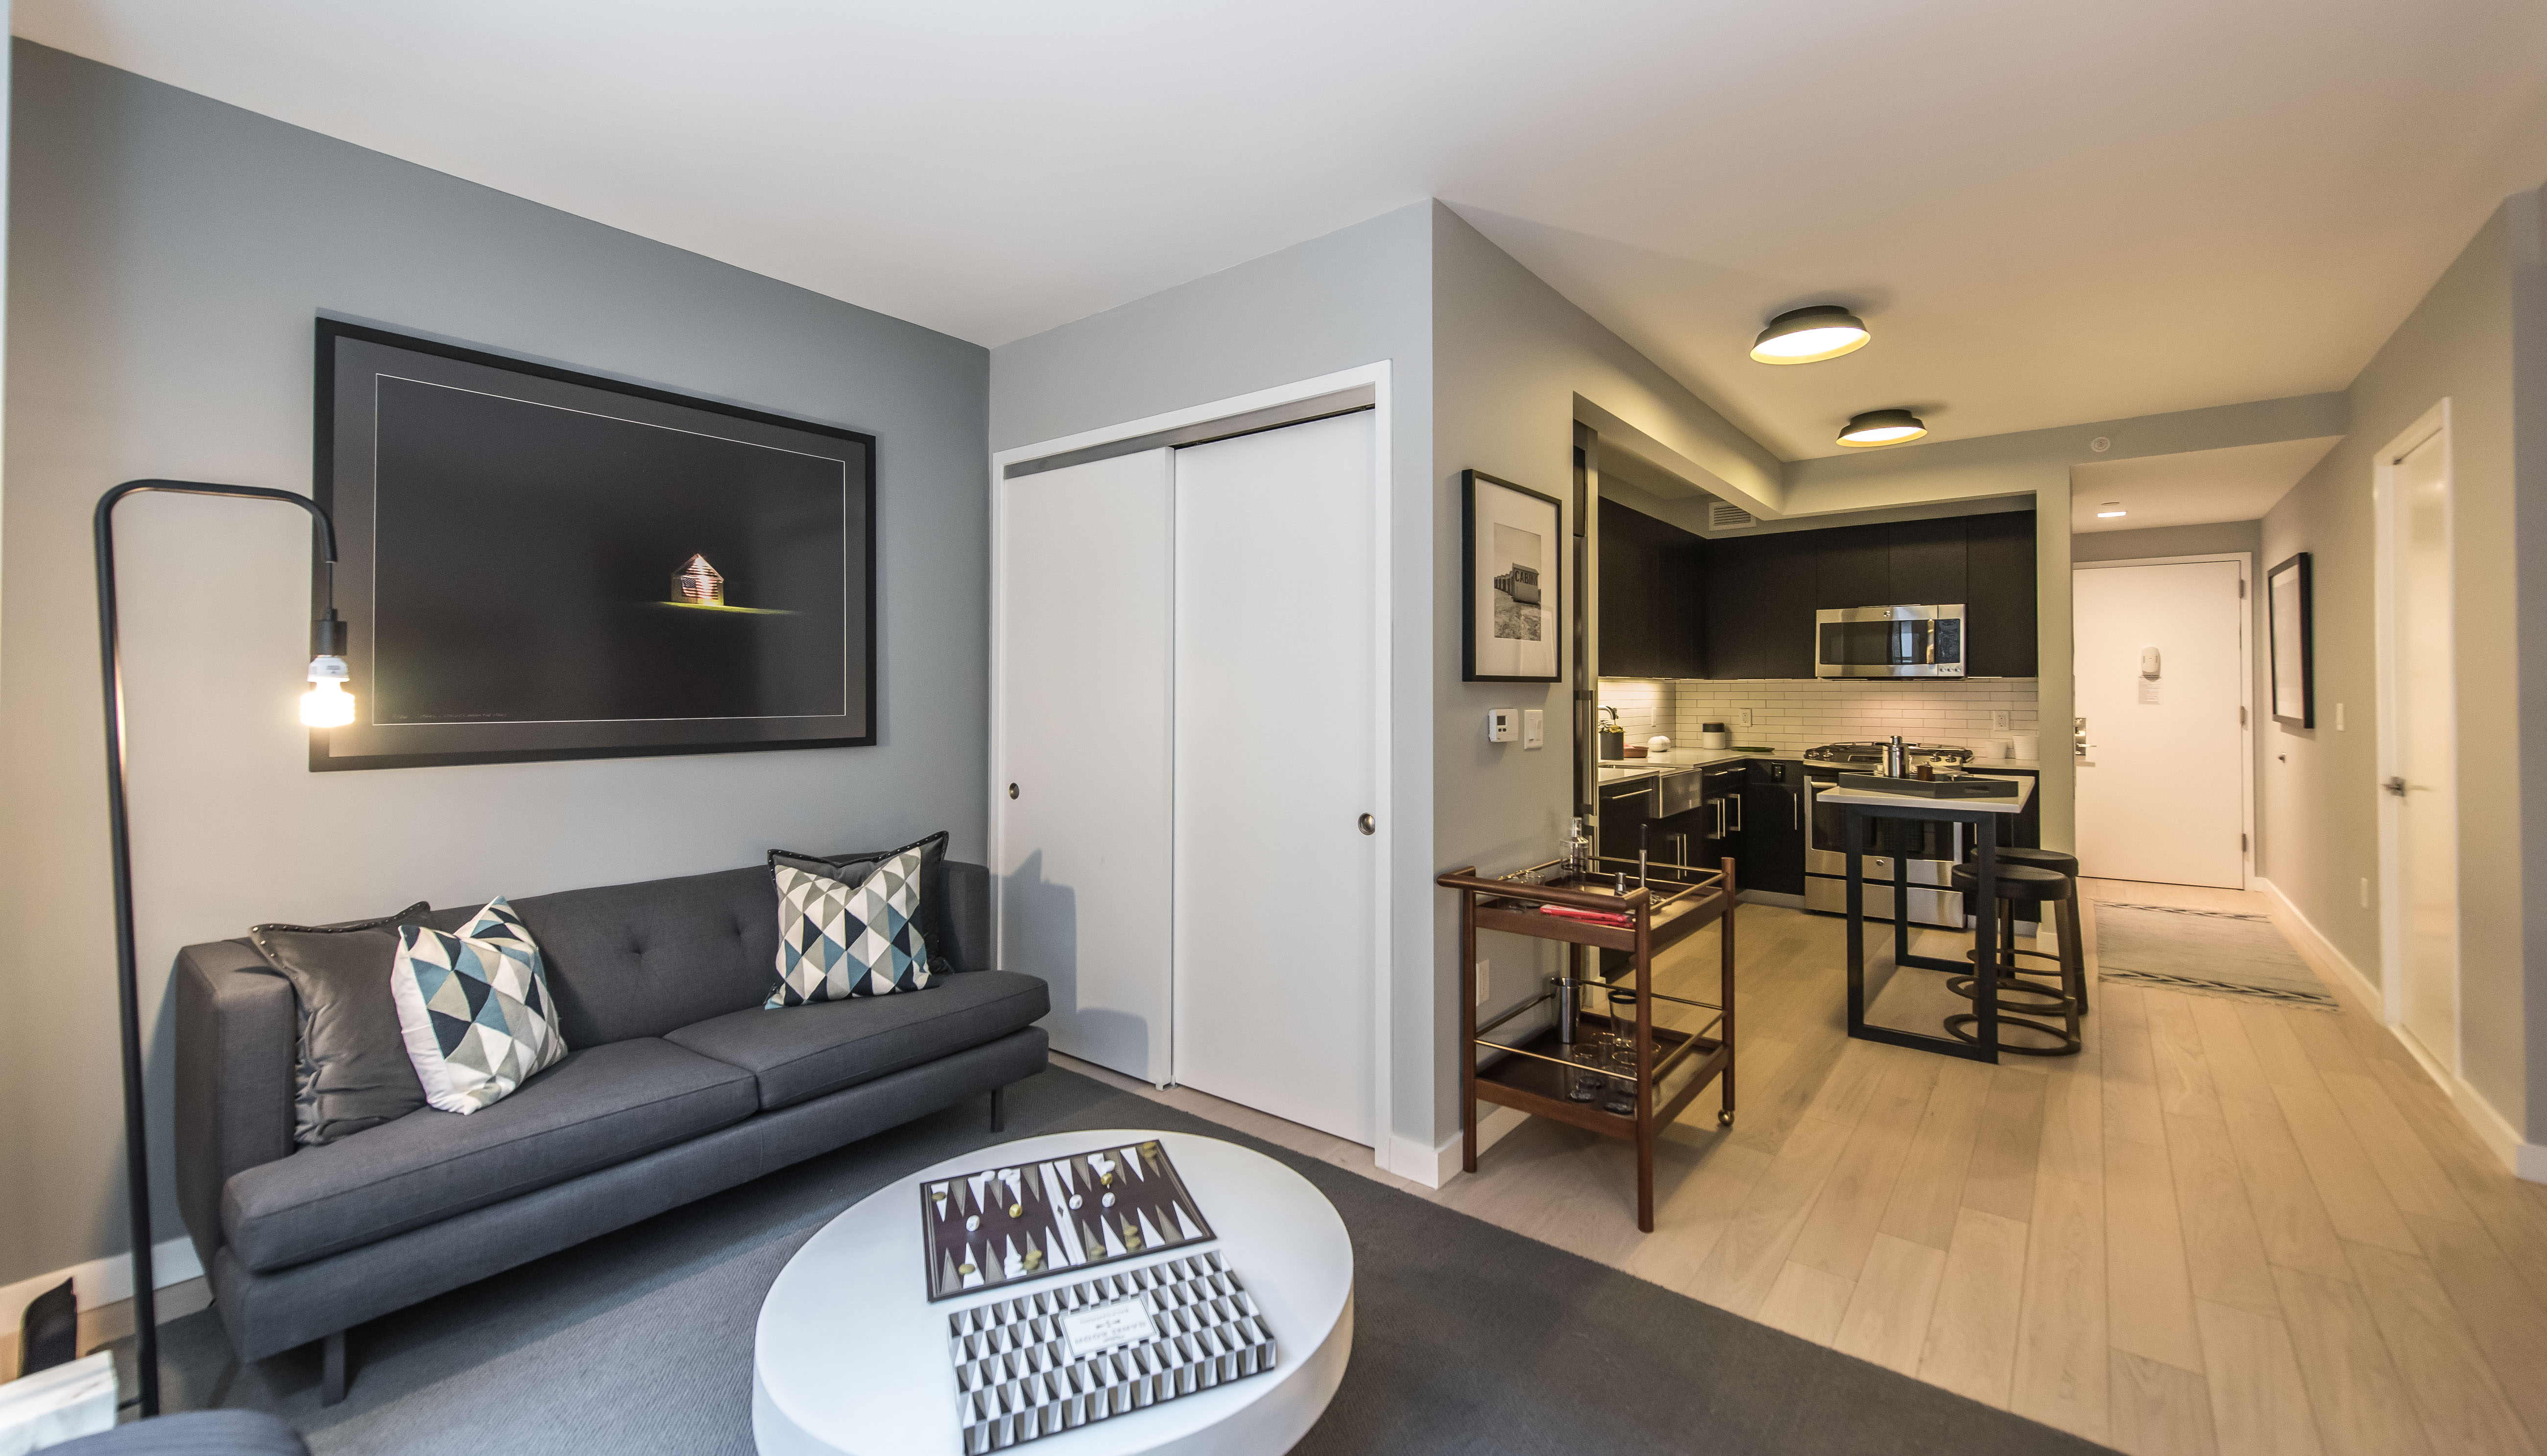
[2065, 921]
[2031, 885]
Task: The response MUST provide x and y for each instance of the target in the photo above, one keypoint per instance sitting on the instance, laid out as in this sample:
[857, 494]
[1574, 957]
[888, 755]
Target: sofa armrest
[969, 891]
[238, 1032]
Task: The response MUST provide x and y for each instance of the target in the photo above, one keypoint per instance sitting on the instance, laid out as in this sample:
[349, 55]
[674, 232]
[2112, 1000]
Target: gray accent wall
[2320, 791]
[167, 255]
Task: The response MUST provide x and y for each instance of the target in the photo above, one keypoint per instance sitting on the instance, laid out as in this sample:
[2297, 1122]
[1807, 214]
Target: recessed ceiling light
[2109, 509]
[1810, 336]
[1882, 427]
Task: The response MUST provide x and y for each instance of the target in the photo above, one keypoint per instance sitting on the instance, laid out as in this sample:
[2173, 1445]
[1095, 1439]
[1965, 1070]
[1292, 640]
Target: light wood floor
[2228, 1227]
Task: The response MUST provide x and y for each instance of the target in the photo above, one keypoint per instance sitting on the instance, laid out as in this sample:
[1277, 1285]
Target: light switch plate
[1533, 727]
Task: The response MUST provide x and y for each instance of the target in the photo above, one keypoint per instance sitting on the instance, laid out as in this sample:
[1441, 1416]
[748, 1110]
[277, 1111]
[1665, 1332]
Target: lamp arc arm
[128, 982]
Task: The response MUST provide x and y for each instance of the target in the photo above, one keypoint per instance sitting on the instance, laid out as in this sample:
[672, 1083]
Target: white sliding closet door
[1081, 729]
[1275, 643]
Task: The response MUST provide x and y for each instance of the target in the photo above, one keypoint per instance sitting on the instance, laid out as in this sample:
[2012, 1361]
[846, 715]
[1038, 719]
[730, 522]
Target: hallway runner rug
[2203, 953]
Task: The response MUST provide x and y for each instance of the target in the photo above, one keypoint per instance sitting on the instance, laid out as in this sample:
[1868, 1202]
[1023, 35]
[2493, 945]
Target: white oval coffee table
[851, 1357]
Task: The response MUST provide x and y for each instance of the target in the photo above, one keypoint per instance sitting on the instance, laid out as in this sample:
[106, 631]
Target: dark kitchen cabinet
[1852, 566]
[1924, 561]
[1785, 604]
[1998, 595]
[1735, 585]
[1653, 604]
[1773, 832]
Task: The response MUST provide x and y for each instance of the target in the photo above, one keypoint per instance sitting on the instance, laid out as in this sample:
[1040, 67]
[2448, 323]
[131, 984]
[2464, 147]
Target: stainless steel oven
[1931, 848]
[1890, 642]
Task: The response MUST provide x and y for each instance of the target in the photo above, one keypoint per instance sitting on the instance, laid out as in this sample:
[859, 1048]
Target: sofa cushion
[806, 1050]
[601, 1105]
[354, 1071]
[475, 1010]
[838, 939]
[639, 960]
[936, 899]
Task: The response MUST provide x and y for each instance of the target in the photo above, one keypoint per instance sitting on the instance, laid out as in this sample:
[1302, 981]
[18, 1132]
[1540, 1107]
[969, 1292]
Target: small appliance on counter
[1713, 736]
[1613, 739]
[1658, 746]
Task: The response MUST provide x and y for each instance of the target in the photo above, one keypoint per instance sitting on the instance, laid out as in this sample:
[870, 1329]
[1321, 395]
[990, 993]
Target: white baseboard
[102, 1282]
[2527, 1160]
[1435, 1166]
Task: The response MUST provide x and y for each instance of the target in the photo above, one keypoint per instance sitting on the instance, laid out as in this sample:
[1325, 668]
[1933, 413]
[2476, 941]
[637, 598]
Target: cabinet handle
[1735, 799]
[1368, 825]
[1797, 802]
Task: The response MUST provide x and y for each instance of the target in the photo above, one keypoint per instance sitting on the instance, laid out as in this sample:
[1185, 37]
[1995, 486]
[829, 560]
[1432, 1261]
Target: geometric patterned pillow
[840, 938]
[475, 1009]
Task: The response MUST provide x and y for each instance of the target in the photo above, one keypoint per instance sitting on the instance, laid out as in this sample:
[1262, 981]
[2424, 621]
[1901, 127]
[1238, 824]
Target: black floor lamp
[326, 704]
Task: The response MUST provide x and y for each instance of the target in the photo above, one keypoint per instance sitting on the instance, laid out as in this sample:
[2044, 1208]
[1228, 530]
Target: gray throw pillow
[852, 868]
[354, 1069]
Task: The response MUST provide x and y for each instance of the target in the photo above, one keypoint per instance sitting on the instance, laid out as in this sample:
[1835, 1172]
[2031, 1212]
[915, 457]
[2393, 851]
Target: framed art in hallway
[2290, 606]
[1511, 613]
[537, 564]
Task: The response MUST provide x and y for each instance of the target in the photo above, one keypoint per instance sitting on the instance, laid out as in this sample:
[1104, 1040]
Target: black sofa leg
[333, 1386]
[999, 1109]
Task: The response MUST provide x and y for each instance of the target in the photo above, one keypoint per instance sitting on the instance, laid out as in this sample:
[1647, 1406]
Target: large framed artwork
[2291, 638]
[536, 563]
[1512, 620]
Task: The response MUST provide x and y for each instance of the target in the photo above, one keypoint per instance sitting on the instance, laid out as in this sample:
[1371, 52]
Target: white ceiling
[2051, 212]
[2195, 489]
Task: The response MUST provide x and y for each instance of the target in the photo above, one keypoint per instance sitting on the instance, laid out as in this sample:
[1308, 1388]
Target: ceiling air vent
[1725, 516]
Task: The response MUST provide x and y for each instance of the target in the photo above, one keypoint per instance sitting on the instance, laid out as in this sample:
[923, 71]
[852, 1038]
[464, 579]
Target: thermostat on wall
[1503, 725]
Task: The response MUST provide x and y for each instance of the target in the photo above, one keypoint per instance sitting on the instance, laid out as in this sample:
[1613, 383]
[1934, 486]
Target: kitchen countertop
[1871, 798]
[1623, 770]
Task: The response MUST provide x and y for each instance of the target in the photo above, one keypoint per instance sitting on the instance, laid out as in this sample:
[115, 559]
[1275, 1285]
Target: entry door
[1275, 649]
[2161, 791]
[2424, 755]
[1081, 748]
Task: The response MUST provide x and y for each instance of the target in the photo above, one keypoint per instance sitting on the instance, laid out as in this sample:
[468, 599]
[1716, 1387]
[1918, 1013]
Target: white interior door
[1275, 643]
[1081, 728]
[2422, 754]
[2161, 680]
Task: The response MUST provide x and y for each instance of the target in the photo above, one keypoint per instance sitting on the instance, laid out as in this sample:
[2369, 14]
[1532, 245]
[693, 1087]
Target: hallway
[2229, 1227]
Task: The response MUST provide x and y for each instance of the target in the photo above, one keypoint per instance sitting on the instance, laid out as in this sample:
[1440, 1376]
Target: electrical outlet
[1485, 974]
[1998, 718]
[2366, 892]
[1746, 717]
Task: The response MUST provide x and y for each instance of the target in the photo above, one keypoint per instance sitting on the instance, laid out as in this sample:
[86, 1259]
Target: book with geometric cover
[1007, 1224]
[1039, 1364]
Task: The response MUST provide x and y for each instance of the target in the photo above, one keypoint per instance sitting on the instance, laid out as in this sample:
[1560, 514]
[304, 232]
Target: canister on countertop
[1713, 736]
[1658, 746]
[2023, 746]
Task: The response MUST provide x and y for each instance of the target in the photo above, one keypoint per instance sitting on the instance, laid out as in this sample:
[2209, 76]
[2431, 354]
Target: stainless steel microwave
[1890, 642]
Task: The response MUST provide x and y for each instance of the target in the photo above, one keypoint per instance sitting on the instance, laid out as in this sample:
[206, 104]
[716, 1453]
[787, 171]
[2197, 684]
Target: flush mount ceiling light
[2109, 509]
[1882, 427]
[1810, 336]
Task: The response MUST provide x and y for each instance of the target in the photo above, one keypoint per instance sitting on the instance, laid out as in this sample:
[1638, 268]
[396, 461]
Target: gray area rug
[1467, 1337]
[2204, 953]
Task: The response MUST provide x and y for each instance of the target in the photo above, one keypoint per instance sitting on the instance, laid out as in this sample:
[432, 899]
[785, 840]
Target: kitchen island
[1858, 806]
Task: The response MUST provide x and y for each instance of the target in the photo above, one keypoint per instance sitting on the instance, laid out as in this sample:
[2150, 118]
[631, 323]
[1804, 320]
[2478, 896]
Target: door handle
[1367, 824]
[2397, 787]
[1013, 791]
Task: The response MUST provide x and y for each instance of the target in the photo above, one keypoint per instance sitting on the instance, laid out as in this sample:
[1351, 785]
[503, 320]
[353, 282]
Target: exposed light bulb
[327, 704]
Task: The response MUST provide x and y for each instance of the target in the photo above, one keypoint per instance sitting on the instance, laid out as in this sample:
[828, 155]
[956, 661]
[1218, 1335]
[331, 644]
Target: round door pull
[1368, 825]
[1013, 791]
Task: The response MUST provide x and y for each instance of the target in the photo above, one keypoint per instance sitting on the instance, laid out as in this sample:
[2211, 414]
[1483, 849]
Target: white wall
[167, 255]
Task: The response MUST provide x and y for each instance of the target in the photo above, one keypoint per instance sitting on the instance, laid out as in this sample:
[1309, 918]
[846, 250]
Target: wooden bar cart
[1546, 1074]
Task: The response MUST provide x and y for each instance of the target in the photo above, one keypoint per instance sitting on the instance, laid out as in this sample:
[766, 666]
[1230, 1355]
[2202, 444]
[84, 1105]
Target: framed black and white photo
[536, 563]
[2289, 606]
[1511, 618]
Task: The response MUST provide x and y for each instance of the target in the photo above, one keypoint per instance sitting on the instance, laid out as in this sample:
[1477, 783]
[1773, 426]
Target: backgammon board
[1007, 1224]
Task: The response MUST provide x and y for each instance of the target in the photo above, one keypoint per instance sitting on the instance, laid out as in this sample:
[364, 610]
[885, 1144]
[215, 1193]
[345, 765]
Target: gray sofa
[676, 1084]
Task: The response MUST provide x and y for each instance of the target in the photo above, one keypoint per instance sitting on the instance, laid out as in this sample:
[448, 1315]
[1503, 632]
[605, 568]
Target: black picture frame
[2290, 613]
[426, 441]
[1491, 617]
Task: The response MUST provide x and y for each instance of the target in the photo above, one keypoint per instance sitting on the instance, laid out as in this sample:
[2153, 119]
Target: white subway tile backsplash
[1793, 715]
